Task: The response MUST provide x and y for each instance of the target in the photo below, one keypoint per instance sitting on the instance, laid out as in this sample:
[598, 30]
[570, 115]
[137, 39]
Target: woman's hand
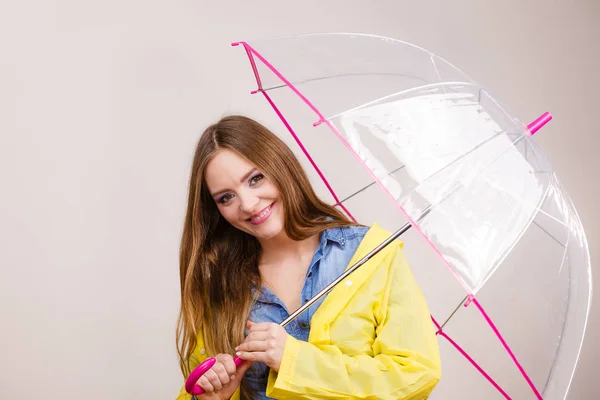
[222, 380]
[264, 343]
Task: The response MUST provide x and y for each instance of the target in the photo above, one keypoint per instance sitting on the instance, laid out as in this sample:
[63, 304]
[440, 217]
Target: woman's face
[244, 196]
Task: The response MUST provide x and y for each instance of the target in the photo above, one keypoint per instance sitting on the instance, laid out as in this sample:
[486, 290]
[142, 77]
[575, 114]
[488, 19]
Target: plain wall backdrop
[101, 104]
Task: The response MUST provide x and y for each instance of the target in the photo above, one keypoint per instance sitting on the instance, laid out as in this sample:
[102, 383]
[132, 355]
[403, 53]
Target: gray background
[101, 105]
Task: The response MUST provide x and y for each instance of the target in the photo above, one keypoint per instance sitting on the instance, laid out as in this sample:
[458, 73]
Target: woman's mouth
[262, 216]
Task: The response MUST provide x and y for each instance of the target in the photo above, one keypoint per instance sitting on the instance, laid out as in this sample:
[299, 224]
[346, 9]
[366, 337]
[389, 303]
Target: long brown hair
[218, 264]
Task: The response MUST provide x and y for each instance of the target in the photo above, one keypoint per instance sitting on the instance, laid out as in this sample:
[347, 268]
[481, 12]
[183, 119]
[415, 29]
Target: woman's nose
[248, 203]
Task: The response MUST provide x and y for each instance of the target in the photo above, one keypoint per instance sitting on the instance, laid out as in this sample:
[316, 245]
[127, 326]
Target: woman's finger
[222, 374]
[205, 384]
[214, 380]
[254, 356]
[228, 363]
[256, 346]
[258, 326]
[258, 335]
[259, 356]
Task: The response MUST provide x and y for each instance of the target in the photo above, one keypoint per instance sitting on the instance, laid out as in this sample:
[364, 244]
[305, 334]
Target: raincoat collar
[339, 297]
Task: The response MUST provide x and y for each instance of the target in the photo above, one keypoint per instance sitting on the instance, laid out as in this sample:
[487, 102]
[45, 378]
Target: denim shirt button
[303, 325]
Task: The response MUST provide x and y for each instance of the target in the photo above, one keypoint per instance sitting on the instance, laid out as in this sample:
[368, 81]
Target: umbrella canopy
[396, 134]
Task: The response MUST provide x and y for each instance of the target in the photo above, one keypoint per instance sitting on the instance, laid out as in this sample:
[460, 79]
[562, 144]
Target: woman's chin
[268, 232]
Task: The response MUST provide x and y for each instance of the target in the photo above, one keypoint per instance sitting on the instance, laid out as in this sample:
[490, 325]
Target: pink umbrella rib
[506, 346]
[469, 358]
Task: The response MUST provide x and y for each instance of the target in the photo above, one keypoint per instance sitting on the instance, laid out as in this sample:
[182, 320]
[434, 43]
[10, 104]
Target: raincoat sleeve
[404, 362]
[198, 356]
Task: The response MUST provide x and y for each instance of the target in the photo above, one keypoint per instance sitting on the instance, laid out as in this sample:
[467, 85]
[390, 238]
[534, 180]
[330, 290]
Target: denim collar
[336, 235]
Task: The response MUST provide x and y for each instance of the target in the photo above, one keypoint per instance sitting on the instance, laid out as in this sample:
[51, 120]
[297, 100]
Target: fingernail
[238, 353]
[232, 377]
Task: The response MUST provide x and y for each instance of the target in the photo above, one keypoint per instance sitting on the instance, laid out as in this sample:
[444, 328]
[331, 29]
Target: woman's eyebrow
[247, 175]
[242, 179]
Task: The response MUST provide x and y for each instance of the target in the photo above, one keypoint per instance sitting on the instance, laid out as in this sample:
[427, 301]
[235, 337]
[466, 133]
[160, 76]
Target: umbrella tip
[539, 123]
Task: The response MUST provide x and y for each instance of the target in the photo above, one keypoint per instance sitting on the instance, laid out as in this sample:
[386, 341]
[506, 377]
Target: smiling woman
[257, 243]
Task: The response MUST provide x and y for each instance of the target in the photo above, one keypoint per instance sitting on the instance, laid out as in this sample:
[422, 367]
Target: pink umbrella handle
[190, 383]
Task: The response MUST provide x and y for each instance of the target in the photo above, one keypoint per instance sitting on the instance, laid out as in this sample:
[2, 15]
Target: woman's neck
[281, 248]
[283, 265]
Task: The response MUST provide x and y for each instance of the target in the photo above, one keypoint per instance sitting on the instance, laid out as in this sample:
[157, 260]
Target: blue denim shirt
[336, 248]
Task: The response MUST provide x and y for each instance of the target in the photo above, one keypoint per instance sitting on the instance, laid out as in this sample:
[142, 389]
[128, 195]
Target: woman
[257, 243]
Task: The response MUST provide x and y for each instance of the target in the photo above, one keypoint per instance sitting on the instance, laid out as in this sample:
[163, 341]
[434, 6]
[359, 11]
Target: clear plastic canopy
[395, 134]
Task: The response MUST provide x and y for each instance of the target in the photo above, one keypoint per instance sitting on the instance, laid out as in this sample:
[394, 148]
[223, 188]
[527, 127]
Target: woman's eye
[225, 198]
[256, 178]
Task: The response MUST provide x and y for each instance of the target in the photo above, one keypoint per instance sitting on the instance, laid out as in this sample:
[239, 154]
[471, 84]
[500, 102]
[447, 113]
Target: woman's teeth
[262, 214]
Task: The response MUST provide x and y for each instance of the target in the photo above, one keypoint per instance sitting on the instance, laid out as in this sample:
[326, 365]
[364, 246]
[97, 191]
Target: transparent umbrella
[396, 135]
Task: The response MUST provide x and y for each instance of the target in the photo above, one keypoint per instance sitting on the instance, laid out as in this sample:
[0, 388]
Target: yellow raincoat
[372, 337]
